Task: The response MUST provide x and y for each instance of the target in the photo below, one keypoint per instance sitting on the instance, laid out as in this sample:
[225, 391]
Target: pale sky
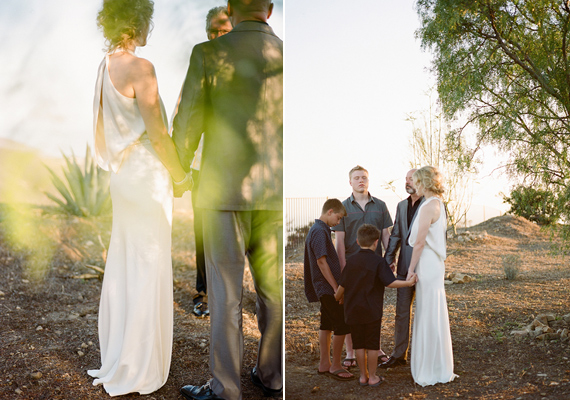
[353, 72]
[50, 51]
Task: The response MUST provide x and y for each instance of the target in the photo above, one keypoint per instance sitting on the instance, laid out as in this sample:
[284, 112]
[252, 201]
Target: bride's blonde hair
[429, 178]
[123, 21]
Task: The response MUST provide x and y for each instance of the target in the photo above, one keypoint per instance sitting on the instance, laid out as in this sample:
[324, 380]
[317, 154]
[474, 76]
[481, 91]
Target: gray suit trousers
[404, 301]
[230, 236]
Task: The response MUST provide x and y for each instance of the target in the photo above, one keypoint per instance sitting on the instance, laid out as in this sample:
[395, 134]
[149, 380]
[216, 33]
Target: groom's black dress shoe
[392, 362]
[267, 392]
[204, 392]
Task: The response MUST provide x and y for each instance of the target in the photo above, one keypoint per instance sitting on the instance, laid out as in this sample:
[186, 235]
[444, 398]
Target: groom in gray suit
[233, 94]
[405, 214]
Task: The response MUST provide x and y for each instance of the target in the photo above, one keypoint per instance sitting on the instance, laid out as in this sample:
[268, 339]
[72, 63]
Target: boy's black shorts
[366, 336]
[332, 316]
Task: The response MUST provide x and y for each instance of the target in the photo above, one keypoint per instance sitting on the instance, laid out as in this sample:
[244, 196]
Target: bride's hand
[181, 187]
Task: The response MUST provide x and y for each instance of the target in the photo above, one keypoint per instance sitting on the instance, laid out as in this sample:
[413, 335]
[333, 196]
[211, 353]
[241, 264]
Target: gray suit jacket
[233, 93]
[399, 239]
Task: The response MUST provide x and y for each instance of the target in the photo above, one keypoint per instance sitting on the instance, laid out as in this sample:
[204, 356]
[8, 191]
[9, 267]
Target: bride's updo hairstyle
[125, 21]
[429, 178]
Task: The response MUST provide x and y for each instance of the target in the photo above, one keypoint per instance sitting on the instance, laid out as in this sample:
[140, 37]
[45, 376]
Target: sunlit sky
[353, 72]
[50, 51]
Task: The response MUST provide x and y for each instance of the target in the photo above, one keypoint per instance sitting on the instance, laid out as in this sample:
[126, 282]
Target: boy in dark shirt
[322, 272]
[362, 285]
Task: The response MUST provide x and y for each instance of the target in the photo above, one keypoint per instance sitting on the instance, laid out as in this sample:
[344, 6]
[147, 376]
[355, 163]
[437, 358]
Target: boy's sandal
[349, 362]
[336, 375]
[381, 381]
[383, 358]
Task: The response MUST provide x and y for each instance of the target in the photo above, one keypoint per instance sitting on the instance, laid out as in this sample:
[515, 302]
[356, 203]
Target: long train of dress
[135, 313]
[432, 353]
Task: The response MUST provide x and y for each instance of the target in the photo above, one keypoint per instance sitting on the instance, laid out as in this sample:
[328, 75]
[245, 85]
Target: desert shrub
[511, 263]
[536, 205]
[85, 191]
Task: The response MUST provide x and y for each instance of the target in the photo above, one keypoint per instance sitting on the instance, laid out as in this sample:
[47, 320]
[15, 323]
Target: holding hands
[412, 278]
[180, 187]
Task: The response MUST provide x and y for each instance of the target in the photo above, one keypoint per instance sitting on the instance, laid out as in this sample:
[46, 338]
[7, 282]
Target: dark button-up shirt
[375, 213]
[412, 209]
[319, 243]
[363, 279]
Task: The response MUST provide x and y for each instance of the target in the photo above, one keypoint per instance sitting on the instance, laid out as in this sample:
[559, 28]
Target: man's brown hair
[367, 234]
[334, 204]
[250, 5]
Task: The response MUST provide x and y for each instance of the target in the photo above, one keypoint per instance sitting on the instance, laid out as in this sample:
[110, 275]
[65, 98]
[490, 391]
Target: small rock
[36, 375]
[448, 282]
[566, 318]
[315, 389]
[202, 344]
[72, 316]
[546, 317]
[80, 297]
[84, 345]
[25, 281]
[554, 384]
[18, 391]
[58, 332]
[80, 353]
[18, 308]
[520, 333]
[2, 293]
[39, 328]
[90, 343]
[542, 375]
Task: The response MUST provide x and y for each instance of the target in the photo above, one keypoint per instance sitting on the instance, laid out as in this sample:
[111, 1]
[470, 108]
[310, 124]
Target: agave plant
[86, 192]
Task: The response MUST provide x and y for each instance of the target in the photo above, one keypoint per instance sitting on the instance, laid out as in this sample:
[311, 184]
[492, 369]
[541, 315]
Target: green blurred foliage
[85, 191]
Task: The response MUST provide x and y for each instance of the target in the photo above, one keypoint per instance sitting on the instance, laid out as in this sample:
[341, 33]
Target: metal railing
[300, 213]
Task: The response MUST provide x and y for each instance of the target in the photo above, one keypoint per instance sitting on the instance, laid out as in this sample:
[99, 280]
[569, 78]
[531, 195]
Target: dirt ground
[490, 362]
[48, 319]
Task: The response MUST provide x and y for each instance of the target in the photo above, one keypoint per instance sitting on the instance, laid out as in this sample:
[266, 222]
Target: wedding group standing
[228, 131]
[349, 281]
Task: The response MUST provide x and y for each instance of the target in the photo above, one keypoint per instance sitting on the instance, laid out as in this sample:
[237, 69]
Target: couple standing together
[357, 268]
[232, 99]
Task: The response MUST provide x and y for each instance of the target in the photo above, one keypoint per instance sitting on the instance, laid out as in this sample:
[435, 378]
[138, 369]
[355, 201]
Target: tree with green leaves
[503, 66]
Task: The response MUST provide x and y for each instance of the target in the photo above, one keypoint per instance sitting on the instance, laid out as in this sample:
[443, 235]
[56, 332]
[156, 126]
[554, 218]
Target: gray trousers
[404, 302]
[229, 237]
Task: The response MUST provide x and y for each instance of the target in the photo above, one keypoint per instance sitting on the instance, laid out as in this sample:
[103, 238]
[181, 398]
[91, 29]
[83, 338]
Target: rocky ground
[48, 317]
[491, 361]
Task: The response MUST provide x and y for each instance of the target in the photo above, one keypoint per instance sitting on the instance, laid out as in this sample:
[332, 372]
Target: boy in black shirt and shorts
[362, 285]
[322, 272]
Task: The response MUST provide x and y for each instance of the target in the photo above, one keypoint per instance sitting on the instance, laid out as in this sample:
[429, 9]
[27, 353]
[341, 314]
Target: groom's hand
[181, 187]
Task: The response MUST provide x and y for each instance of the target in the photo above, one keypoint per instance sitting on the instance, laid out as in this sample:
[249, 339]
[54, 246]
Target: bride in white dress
[131, 140]
[432, 354]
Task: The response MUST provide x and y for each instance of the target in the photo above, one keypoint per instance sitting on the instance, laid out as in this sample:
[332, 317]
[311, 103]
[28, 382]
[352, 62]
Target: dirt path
[491, 363]
[48, 328]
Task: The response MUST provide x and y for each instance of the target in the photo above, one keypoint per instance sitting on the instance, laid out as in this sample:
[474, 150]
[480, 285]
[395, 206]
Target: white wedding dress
[136, 308]
[432, 354]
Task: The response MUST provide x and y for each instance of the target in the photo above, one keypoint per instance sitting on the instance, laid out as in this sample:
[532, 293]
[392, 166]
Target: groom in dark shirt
[405, 214]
